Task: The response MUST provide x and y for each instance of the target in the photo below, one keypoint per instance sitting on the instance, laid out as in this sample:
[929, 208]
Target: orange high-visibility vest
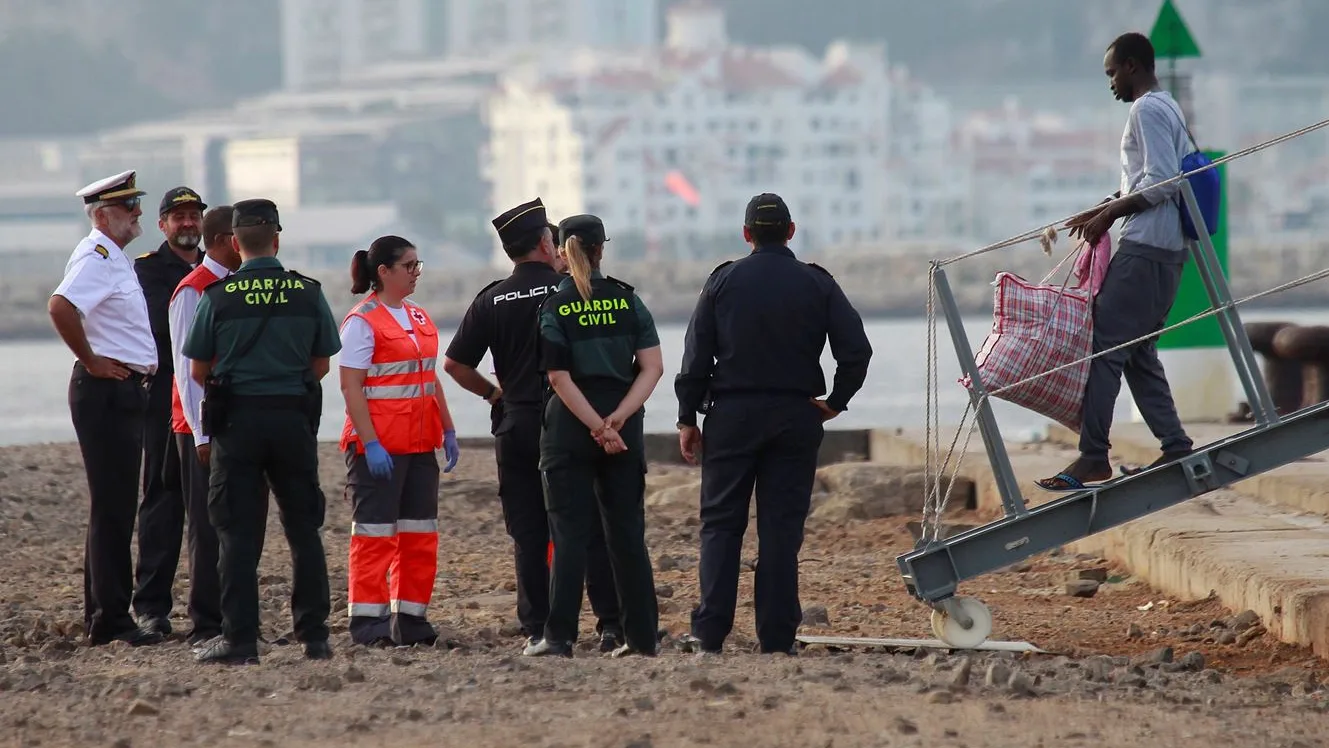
[401, 381]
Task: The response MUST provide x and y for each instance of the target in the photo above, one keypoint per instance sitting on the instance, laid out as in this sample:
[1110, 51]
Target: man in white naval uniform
[100, 312]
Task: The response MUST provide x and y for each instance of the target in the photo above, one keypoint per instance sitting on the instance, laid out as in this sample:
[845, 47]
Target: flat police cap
[520, 221]
[119, 187]
[767, 209]
[589, 229]
[257, 212]
[178, 197]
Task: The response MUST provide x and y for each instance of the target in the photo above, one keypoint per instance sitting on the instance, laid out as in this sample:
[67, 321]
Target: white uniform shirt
[357, 338]
[100, 282]
[181, 314]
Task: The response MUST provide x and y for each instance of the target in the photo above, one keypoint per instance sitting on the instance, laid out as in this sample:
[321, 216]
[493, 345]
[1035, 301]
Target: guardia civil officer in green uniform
[601, 355]
[261, 341]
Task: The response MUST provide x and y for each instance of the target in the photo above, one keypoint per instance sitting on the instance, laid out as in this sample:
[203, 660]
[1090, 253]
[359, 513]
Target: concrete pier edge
[1252, 546]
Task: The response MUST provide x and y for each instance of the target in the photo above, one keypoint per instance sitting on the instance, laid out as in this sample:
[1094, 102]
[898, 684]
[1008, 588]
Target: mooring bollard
[1282, 376]
[1309, 347]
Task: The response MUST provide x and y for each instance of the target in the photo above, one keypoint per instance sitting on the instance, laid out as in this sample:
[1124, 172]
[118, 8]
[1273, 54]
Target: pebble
[960, 678]
[941, 697]
[905, 726]
[1134, 631]
[353, 675]
[997, 675]
[1020, 684]
[142, 709]
[1192, 661]
[1082, 588]
[1097, 574]
[666, 563]
[816, 615]
[664, 590]
[1244, 620]
[1227, 637]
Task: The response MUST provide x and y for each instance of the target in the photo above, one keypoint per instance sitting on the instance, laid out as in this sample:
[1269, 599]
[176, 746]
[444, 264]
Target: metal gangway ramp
[934, 569]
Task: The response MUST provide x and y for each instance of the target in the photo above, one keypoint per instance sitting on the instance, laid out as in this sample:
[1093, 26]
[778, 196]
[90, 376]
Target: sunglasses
[130, 204]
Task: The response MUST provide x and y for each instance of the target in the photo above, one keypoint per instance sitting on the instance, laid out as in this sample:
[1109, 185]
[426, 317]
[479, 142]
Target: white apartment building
[325, 40]
[495, 27]
[1029, 169]
[667, 145]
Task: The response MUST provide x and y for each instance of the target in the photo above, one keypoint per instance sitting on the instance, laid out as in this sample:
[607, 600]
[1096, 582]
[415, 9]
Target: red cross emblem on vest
[418, 316]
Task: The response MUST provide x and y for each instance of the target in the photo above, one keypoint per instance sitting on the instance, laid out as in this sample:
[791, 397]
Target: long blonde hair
[581, 261]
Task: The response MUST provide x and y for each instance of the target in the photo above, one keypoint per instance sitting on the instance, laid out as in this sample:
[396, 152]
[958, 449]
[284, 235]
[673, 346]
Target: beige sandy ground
[1116, 675]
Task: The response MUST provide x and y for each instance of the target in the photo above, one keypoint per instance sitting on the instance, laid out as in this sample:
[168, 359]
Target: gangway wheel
[951, 615]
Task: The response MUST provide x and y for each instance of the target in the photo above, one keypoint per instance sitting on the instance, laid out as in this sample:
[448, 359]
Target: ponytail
[580, 264]
[361, 273]
[386, 250]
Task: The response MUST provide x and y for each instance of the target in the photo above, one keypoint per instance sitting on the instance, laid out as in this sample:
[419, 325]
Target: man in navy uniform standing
[100, 312]
[161, 515]
[752, 362]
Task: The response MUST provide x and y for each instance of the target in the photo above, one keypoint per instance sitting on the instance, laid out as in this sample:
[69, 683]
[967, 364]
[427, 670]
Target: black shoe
[791, 650]
[318, 651]
[159, 625]
[546, 648]
[627, 650]
[610, 640]
[222, 652]
[690, 643]
[136, 637]
[202, 636]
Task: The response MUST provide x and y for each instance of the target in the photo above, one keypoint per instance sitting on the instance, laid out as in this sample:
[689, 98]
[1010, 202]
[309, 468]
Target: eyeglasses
[130, 204]
[414, 266]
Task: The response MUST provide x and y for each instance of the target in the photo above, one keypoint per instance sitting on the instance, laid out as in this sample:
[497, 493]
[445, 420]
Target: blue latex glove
[450, 449]
[380, 462]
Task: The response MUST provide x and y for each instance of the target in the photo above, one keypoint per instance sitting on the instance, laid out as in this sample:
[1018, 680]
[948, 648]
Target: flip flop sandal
[1072, 484]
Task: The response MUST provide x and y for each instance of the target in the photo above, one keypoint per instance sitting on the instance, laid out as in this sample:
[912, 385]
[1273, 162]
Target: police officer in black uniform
[504, 319]
[161, 515]
[272, 334]
[752, 363]
[601, 354]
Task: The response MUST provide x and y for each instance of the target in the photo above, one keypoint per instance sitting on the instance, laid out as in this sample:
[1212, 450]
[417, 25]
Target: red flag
[678, 184]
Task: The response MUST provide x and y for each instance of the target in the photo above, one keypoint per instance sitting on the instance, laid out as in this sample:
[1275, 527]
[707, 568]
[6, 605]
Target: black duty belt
[270, 402]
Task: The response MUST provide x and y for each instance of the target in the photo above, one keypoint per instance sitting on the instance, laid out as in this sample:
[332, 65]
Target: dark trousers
[394, 549]
[108, 420]
[264, 437]
[521, 493]
[1134, 300]
[579, 478]
[770, 443]
[204, 583]
[161, 514]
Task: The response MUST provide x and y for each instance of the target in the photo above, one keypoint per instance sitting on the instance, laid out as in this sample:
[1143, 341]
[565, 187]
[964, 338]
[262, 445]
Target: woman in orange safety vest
[396, 417]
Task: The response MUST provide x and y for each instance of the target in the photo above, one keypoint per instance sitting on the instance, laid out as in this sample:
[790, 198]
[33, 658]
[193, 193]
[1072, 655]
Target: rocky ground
[1125, 666]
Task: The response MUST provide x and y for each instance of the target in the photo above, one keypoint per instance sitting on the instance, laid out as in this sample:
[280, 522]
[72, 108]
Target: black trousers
[161, 513]
[579, 479]
[204, 607]
[770, 443]
[108, 420]
[521, 493]
[268, 437]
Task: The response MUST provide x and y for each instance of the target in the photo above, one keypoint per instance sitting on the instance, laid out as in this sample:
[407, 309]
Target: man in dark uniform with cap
[752, 363]
[504, 319]
[99, 311]
[161, 514]
[261, 342]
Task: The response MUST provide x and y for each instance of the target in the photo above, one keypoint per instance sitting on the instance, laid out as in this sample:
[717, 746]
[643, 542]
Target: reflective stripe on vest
[400, 382]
